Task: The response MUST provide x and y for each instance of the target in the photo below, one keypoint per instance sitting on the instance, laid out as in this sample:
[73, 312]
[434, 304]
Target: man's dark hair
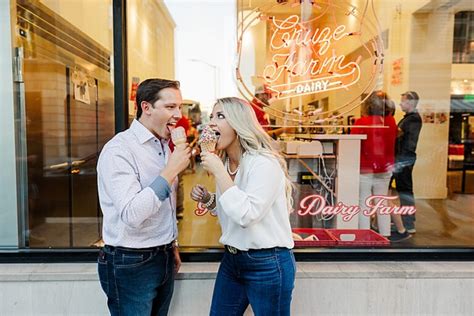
[149, 91]
[412, 96]
[376, 103]
[390, 108]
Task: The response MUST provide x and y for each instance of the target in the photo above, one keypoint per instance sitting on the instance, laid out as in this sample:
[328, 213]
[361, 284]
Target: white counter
[347, 155]
[331, 136]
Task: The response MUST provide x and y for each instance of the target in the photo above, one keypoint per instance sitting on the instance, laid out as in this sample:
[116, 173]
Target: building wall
[329, 288]
[430, 63]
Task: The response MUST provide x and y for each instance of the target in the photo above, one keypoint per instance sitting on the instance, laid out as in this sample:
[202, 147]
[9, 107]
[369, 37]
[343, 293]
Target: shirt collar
[411, 113]
[141, 132]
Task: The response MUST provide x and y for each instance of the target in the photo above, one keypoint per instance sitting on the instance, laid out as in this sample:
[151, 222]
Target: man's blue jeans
[264, 278]
[137, 281]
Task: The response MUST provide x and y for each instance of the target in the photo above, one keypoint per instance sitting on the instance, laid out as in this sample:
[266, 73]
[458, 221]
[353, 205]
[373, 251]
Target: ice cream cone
[178, 136]
[208, 139]
[208, 146]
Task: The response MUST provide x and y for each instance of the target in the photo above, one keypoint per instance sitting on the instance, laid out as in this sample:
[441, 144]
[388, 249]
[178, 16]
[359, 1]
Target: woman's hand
[212, 163]
[199, 193]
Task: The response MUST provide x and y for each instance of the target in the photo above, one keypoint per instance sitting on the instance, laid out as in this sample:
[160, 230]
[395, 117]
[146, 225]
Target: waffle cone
[208, 146]
[181, 141]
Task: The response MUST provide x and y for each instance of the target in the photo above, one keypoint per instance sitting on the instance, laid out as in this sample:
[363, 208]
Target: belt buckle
[232, 250]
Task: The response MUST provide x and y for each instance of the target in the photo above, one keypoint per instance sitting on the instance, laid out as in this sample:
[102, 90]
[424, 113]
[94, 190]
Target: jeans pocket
[261, 255]
[103, 272]
[133, 260]
[102, 258]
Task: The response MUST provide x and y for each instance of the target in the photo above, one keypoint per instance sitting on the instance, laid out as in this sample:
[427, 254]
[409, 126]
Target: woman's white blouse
[253, 213]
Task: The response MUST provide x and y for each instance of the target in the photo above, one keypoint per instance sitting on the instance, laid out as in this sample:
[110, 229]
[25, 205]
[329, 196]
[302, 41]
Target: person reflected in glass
[253, 202]
[409, 129]
[376, 155]
[260, 101]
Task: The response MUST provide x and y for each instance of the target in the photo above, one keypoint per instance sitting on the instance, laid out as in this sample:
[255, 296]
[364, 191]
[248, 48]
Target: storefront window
[368, 101]
[66, 114]
[318, 64]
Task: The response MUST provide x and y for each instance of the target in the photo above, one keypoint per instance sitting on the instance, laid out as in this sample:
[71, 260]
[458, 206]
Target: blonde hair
[252, 137]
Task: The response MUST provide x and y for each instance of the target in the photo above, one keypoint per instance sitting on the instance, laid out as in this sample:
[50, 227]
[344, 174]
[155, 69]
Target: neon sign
[299, 52]
[316, 205]
[312, 50]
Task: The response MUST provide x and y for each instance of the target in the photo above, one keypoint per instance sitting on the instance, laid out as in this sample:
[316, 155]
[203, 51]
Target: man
[405, 156]
[136, 181]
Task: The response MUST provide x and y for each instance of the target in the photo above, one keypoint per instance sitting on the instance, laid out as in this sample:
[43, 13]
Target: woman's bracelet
[211, 200]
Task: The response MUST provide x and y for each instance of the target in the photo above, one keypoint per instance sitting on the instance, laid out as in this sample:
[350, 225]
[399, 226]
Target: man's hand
[177, 162]
[177, 260]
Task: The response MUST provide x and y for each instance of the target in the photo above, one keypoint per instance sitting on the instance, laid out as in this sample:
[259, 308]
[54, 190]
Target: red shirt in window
[260, 113]
[377, 152]
[184, 122]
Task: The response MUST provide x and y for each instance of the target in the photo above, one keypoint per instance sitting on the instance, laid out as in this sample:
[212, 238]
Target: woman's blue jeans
[262, 278]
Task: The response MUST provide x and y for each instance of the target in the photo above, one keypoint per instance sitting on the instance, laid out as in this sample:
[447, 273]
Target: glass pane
[310, 70]
[298, 52]
[69, 115]
[176, 43]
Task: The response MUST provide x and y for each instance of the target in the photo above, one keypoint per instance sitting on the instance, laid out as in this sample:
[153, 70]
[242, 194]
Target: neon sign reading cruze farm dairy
[310, 51]
[302, 62]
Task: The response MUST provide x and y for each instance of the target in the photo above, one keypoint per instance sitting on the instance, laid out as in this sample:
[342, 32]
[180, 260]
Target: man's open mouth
[171, 126]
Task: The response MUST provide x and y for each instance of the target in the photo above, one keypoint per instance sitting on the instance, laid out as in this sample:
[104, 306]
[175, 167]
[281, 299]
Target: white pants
[374, 184]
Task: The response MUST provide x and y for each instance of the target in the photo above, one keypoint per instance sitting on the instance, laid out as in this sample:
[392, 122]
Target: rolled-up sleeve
[249, 205]
[119, 180]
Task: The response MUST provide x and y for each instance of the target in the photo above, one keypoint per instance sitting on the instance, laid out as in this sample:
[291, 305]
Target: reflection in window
[68, 116]
[463, 42]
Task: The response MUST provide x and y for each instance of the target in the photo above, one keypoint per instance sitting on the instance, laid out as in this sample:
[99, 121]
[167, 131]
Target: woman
[252, 201]
[377, 155]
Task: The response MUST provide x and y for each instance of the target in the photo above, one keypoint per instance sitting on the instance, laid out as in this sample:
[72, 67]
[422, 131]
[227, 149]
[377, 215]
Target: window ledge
[205, 270]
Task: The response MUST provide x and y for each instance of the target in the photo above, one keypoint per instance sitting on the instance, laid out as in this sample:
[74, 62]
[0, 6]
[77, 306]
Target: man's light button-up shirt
[128, 166]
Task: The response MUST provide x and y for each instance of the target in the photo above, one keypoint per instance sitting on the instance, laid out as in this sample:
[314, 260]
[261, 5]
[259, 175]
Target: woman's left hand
[212, 163]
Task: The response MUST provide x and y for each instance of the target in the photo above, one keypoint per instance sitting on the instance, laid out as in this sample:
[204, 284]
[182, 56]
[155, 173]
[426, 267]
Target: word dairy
[314, 86]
